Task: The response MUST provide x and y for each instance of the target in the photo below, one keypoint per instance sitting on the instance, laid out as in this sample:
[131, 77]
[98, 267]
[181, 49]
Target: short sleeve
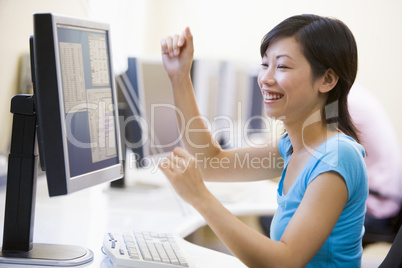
[346, 157]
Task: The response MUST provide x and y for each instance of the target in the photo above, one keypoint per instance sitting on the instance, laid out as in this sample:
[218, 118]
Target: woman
[309, 64]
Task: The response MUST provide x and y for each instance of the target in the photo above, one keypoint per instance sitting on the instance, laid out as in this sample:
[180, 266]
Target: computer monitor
[76, 103]
[159, 109]
[151, 130]
[74, 107]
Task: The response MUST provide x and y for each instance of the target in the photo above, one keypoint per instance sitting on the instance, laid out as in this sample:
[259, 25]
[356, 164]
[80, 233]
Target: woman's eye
[282, 67]
[264, 65]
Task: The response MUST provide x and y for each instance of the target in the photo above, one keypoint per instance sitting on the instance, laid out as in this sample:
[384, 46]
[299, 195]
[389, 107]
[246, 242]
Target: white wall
[16, 25]
[222, 29]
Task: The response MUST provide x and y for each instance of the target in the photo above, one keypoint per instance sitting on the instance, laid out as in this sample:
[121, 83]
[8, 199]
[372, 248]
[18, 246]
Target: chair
[394, 256]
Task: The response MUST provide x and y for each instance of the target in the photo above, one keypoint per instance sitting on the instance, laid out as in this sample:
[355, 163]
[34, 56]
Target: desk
[148, 203]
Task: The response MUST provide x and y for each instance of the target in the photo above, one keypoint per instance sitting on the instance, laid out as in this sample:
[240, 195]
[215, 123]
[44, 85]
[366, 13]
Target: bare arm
[313, 221]
[215, 164]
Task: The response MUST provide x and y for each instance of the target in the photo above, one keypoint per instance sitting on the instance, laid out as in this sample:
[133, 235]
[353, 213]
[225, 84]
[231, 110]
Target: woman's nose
[266, 77]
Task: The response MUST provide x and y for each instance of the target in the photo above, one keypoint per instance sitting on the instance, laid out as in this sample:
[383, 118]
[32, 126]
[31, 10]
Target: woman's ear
[330, 79]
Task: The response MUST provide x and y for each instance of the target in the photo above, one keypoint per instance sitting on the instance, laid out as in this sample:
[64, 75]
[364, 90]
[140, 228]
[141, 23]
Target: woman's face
[289, 92]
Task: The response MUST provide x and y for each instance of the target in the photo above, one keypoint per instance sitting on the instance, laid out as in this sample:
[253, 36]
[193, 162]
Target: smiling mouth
[269, 96]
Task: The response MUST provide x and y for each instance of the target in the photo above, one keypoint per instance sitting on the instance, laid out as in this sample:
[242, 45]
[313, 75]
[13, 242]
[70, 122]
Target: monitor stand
[18, 247]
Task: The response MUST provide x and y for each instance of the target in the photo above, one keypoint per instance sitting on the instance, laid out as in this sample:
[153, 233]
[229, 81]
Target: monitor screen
[162, 134]
[76, 103]
[151, 124]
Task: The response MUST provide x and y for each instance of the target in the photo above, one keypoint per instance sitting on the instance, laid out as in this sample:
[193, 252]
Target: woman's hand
[181, 170]
[177, 54]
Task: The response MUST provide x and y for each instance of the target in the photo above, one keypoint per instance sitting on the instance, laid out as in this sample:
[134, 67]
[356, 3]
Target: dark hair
[327, 44]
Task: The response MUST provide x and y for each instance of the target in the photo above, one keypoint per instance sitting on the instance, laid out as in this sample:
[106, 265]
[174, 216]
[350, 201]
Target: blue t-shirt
[341, 154]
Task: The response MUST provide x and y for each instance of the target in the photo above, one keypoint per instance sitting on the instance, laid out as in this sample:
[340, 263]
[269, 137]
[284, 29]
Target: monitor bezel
[51, 117]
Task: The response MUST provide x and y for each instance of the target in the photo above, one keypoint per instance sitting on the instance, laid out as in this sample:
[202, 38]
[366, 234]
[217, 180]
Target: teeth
[269, 96]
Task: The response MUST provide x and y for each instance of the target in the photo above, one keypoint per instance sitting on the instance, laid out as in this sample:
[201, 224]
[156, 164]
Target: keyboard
[143, 249]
